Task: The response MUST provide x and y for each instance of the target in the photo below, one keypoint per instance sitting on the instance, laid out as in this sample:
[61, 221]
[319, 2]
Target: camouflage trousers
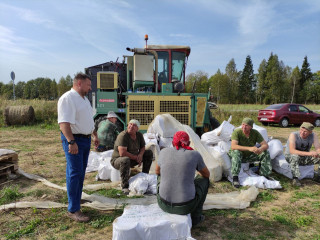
[123, 164]
[296, 160]
[237, 158]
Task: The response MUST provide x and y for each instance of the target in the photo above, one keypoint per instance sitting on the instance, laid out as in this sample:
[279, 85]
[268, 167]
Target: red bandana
[181, 139]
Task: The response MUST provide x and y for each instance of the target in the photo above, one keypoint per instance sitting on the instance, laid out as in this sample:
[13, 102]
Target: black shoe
[197, 220]
[236, 182]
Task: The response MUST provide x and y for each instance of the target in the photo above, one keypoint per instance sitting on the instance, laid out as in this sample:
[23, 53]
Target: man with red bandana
[179, 192]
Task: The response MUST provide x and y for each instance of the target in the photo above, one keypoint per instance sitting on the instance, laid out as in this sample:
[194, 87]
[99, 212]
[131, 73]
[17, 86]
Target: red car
[288, 113]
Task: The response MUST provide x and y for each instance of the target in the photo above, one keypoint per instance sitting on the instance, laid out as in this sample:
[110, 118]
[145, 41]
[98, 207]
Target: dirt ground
[40, 153]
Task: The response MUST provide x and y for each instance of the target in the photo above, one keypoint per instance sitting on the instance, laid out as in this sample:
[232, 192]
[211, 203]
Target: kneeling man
[179, 192]
[244, 149]
[298, 150]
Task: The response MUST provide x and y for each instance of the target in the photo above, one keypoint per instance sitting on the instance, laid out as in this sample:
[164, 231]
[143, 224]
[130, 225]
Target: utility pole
[12, 78]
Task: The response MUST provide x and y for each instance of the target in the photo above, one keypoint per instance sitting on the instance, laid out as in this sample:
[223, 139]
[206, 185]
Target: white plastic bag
[275, 148]
[222, 133]
[262, 131]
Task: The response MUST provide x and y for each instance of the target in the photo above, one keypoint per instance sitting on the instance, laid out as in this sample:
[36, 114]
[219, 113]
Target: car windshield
[274, 106]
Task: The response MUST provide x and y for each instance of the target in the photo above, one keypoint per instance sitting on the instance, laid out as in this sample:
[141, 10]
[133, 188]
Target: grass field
[289, 213]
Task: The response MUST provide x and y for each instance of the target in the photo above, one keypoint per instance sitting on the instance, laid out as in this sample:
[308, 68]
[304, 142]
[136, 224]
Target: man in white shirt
[75, 117]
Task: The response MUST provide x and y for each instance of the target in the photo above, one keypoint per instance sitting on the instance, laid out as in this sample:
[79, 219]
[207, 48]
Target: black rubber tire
[317, 122]
[284, 122]
[214, 123]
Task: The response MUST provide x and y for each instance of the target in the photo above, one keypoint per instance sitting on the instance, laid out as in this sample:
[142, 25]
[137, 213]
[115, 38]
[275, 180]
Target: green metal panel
[106, 100]
[166, 88]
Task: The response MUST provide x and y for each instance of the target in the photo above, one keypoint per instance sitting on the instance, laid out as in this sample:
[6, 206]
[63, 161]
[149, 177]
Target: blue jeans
[75, 170]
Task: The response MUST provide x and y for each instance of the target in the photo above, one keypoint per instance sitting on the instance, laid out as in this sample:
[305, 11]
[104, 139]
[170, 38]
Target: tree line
[274, 83]
[39, 88]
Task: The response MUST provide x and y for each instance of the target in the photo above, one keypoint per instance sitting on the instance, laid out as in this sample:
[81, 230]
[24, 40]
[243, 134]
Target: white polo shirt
[77, 111]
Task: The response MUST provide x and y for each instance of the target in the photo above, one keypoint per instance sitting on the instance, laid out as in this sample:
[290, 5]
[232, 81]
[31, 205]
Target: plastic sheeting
[150, 222]
[227, 200]
[234, 200]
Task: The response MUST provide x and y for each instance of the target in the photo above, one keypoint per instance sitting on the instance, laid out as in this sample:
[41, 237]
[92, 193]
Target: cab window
[178, 61]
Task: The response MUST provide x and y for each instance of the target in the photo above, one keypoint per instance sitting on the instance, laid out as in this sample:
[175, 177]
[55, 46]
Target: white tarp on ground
[222, 201]
[248, 178]
[150, 222]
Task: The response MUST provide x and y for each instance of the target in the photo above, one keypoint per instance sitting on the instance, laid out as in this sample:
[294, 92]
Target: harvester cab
[148, 83]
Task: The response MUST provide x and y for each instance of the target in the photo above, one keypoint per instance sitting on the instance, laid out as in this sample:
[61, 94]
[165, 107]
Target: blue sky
[56, 38]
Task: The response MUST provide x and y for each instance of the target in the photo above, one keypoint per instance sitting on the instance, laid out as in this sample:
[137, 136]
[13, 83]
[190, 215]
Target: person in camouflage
[243, 149]
[298, 151]
[129, 151]
[107, 132]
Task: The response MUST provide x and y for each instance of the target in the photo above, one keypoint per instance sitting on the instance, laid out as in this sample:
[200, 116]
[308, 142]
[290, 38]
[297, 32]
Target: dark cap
[307, 126]
[248, 121]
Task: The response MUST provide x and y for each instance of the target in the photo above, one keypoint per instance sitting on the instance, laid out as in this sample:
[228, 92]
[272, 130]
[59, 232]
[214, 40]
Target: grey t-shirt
[177, 170]
[301, 144]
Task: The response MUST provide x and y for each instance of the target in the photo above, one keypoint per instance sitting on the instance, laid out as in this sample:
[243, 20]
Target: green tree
[233, 77]
[197, 82]
[53, 90]
[64, 85]
[45, 88]
[275, 80]
[19, 88]
[220, 87]
[306, 76]
[262, 86]
[247, 82]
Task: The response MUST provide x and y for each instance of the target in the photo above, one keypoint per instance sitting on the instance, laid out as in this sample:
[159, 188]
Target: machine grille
[141, 106]
[107, 81]
[143, 118]
[174, 106]
[182, 118]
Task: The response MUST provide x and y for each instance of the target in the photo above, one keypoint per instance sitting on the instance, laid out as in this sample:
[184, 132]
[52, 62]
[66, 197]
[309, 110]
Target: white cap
[136, 122]
[111, 114]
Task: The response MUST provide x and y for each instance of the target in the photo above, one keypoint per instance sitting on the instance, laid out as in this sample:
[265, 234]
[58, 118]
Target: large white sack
[222, 133]
[165, 142]
[280, 165]
[222, 157]
[275, 148]
[104, 169]
[262, 131]
[93, 162]
[172, 126]
[150, 137]
[225, 146]
[165, 125]
[150, 222]
[213, 164]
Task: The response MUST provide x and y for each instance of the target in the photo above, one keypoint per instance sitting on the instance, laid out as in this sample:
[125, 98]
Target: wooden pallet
[8, 164]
